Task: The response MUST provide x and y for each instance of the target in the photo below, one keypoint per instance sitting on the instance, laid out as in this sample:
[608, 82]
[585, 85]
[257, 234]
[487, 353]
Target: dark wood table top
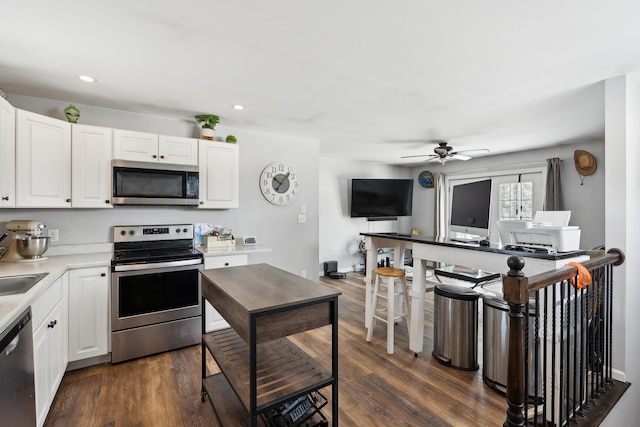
[263, 287]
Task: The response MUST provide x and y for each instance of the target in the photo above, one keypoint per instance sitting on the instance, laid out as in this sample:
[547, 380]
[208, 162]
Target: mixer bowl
[32, 246]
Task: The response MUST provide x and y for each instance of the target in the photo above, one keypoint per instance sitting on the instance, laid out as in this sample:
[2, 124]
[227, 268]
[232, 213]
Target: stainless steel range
[155, 290]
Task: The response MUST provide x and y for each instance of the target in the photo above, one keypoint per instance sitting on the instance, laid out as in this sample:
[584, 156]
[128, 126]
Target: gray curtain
[553, 193]
[441, 209]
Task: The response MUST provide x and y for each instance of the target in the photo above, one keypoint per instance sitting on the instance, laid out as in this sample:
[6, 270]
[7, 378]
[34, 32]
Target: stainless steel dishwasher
[17, 389]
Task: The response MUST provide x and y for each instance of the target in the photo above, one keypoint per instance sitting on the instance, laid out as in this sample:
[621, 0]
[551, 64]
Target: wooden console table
[263, 305]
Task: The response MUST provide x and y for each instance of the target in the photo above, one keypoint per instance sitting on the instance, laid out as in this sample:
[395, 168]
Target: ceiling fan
[444, 152]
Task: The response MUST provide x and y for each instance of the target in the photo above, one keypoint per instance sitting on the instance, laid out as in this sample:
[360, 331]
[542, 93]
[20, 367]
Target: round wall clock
[279, 183]
[426, 179]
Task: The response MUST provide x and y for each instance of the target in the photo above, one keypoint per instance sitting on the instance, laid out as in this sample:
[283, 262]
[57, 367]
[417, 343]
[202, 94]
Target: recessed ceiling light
[87, 79]
[237, 107]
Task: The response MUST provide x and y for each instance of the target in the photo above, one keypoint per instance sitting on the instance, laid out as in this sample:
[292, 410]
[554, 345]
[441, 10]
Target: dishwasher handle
[12, 345]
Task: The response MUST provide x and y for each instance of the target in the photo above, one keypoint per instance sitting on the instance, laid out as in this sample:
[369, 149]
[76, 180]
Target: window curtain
[553, 193]
[441, 209]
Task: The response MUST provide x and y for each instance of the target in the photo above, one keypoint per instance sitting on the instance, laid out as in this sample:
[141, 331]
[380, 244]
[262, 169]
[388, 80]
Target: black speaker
[330, 267]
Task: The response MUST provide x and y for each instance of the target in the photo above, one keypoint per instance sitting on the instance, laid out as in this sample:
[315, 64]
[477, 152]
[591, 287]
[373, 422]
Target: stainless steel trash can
[495, 348]
[455, 327]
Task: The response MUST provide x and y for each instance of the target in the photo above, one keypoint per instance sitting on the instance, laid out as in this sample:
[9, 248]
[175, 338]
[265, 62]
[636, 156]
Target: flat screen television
[381, 199]
[471, 209]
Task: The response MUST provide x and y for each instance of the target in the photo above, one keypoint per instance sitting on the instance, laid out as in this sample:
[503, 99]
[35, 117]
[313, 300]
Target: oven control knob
[131, 232]
[122, 233]
[184, 230]
[177, 230]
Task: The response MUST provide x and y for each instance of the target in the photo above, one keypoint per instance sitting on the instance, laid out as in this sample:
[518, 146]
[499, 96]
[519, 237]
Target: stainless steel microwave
[142, 183]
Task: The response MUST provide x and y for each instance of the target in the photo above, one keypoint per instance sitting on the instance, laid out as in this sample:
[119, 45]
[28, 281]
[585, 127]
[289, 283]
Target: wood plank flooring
[375, 389]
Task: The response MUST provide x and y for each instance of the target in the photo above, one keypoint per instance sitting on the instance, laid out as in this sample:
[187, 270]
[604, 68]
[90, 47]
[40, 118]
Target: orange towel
[584, 277]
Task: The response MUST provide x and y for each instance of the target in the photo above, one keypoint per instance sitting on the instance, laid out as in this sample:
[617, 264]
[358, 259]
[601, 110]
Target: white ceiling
[371, 80]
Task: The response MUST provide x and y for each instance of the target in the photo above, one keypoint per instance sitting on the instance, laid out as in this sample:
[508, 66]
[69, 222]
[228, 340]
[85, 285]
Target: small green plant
[208, 120]
[231, 139]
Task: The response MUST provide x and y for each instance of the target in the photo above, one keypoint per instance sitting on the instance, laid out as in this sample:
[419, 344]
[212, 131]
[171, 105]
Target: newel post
[514, 288]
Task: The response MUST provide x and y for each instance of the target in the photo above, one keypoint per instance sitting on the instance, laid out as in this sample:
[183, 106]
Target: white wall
[622, 135]
[295, 246]
[339, 233]
[586, 202]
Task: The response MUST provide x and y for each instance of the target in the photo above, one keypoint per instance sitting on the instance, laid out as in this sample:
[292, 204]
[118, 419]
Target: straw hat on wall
[585, 162]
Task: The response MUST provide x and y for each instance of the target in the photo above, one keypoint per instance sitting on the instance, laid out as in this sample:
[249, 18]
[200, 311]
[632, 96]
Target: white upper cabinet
[43, 161]
[148, 147]
[219, 169]
[91, 166]
[137, 146]
[177, 150]
[7, 154]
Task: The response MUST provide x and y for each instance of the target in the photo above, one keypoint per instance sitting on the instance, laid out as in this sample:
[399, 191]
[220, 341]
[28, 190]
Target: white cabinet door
[213, 320]
[43, 161]
[88, 313]
[49, 346]
[177, 150]
[48, 358]
[219, 166]
[91, 155]
[136, 146]
[7, 154]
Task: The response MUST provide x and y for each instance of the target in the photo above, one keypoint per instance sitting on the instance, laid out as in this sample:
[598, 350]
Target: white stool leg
[391, 302]
[372, 309]
[405, 296]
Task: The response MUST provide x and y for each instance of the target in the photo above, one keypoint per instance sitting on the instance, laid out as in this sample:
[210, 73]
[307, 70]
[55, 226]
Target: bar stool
[392, 275]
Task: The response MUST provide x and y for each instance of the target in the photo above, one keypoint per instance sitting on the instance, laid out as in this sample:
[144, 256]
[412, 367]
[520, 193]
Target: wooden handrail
[517, 289]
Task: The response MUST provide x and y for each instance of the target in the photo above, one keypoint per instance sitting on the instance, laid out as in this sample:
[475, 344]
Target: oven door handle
[153, 265]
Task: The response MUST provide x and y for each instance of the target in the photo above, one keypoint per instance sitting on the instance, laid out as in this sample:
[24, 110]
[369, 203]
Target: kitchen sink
[12, 285]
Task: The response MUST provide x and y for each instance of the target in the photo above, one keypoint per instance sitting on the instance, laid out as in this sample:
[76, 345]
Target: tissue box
[214, 242]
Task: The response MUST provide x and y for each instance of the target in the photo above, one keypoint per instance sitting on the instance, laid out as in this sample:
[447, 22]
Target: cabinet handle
[68, 200]
[155, 157]
[52, 324]
[162, 157]
[226, 264]
[103, 274]
[202, 203]
[5, 198]
[107, 201]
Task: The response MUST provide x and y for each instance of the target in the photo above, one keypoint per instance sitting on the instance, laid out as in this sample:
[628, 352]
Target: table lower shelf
[283, 369]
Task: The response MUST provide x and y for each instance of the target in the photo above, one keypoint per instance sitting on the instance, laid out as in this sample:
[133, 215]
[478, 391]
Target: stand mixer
[25, 231]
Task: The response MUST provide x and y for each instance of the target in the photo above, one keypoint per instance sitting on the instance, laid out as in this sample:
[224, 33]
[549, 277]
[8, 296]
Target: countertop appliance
[144, 183]
[155, 290]
[17, 389]
[25, 231]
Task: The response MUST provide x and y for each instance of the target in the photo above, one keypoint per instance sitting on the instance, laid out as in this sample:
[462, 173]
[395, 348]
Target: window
[508, 202]
[516, 201]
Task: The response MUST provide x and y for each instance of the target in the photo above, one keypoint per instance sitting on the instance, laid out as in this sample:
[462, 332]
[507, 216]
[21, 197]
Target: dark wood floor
[375, 389]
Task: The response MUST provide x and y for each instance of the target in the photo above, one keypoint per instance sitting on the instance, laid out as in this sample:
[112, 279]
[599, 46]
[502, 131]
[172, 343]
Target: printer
[549, 232]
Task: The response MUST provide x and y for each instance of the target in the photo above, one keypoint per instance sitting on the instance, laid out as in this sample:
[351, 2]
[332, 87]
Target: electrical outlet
[302, 219]
[303, 209]
[54, 235]
[303, 274]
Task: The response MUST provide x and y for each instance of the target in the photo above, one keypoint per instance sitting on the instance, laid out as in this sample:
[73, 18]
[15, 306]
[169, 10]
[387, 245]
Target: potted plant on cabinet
[208, 122]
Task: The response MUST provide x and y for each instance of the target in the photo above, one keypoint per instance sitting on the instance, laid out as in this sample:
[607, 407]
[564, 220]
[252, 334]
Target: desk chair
[392, 275]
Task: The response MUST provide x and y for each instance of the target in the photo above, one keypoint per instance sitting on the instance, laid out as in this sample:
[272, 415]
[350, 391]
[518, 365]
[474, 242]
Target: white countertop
[239, 249]
[11, 306]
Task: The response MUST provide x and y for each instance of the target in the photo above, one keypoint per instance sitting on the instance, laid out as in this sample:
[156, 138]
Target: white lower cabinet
[49, 346]
[213, 320]
[88, 313]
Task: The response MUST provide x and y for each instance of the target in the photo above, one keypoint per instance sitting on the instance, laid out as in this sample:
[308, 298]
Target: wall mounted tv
[470, 209]
[381, 199]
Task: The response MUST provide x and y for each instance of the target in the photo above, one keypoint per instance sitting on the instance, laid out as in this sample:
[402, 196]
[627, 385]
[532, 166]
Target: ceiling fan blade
[419, 155]
[459, 157]
[478, 150]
